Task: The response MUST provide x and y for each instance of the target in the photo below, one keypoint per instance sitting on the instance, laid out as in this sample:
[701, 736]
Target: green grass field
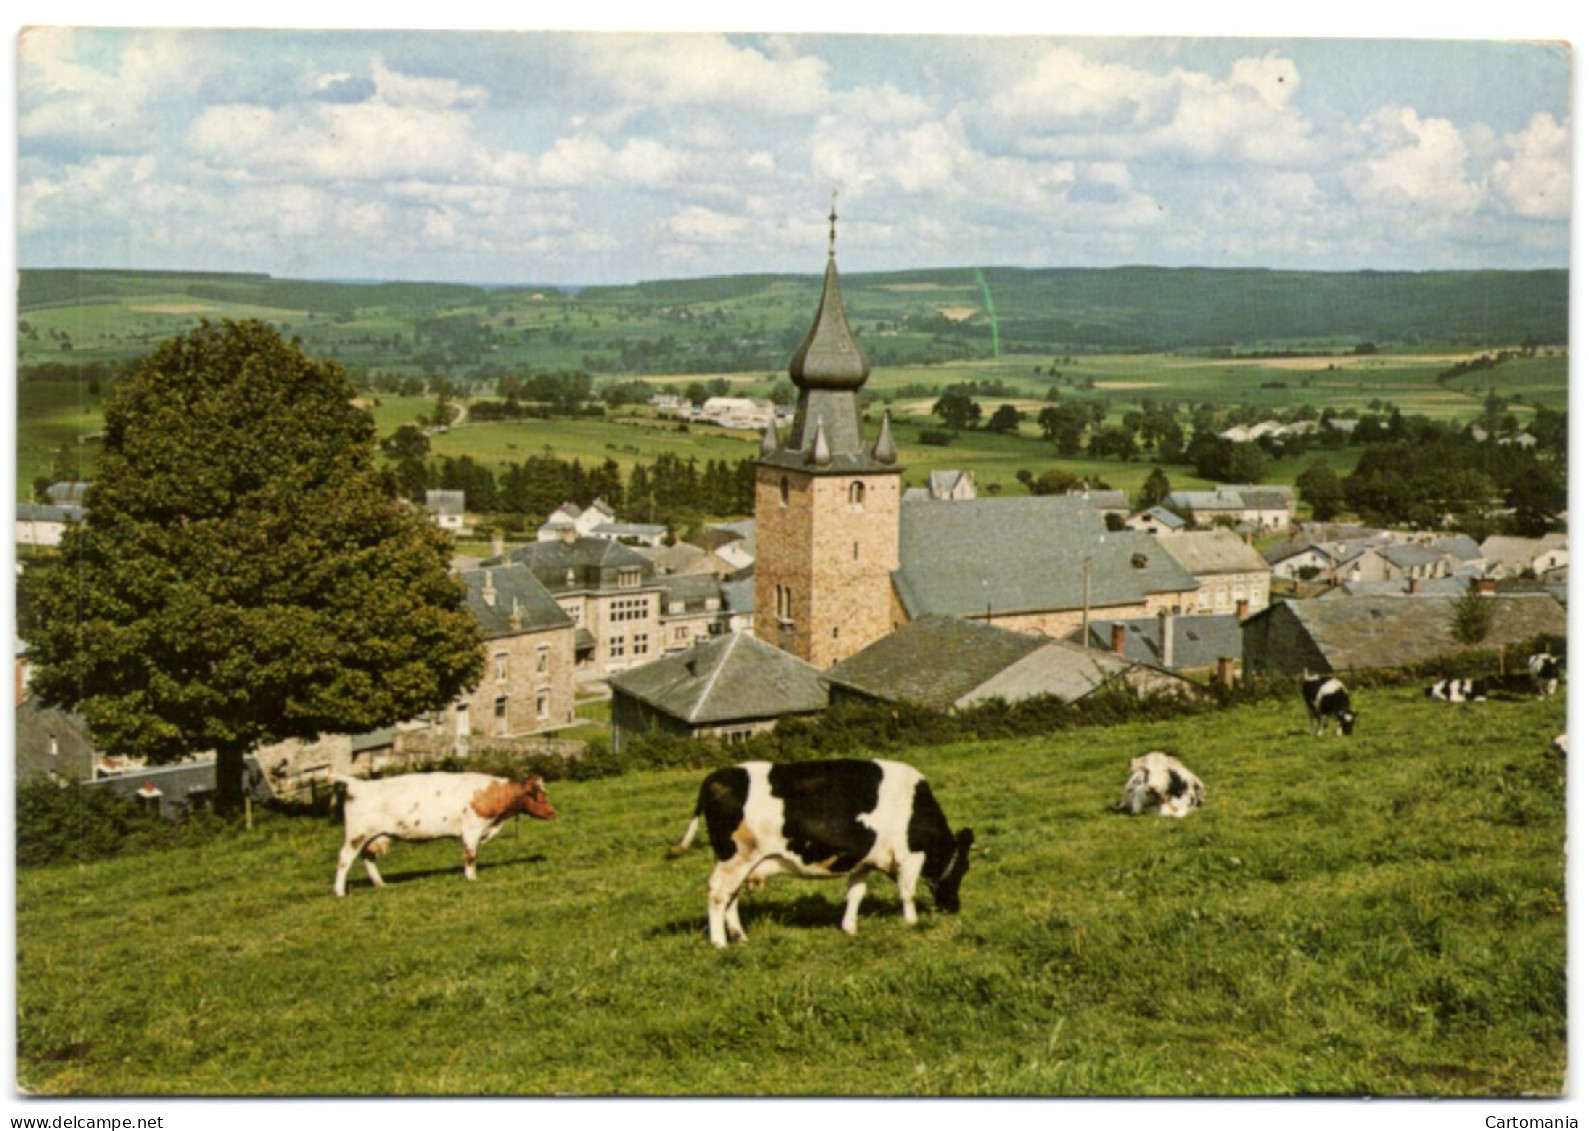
[1379, 915]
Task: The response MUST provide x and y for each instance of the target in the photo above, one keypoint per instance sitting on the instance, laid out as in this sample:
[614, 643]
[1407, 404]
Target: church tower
[827, 503]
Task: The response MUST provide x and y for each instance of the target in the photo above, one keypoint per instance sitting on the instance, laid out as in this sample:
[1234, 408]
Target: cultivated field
[1381, 914]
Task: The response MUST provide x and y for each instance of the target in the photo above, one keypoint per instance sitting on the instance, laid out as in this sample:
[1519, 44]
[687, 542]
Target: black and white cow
[1544, 670]
[824, 820]
[1459, 690]
[1327, 699]
[1160, 782]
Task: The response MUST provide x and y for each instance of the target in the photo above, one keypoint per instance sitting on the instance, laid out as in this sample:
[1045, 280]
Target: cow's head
[1347, 719]
[532, 800]
[945, 887]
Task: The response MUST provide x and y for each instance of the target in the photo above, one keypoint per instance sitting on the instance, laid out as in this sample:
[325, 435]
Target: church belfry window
[857, 494]
[783, 491]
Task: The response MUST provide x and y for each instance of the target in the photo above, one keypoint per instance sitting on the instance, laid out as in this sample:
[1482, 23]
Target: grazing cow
[1459, 691]
[824, 820]
[1158, 780]
[469, 807]
[1327, 699]
[1544, 670]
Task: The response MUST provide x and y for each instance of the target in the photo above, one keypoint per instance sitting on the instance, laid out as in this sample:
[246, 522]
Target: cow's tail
[689, 836]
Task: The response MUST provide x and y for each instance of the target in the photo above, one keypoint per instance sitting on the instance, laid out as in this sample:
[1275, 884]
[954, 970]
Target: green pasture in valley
[1381, 914]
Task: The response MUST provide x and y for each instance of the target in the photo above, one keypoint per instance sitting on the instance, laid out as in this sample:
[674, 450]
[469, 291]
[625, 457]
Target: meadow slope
[1380, 914]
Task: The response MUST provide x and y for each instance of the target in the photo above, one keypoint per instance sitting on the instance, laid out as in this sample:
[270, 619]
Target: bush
[62, 823]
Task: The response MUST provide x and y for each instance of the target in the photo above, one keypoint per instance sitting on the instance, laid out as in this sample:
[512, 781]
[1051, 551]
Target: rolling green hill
[1380, 915]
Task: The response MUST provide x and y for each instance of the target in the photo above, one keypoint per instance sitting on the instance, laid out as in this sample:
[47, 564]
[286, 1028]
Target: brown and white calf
[435, 806]
[1159, 782]
[825, 820]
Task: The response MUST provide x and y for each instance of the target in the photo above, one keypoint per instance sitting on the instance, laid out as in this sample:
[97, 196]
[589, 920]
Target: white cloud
[1417, 162]
[410, 91]
[63, 97]
[661, 72]
[1536, 179]
[590, 162]
[694, 224]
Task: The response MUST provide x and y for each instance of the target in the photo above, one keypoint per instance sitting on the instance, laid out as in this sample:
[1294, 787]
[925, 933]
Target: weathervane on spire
[833, 220]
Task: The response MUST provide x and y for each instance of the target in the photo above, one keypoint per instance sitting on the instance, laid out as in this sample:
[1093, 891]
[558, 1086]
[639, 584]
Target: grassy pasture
[1381, 914]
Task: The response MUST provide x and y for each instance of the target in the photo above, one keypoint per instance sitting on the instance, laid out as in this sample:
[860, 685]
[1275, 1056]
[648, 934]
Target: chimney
[1167, 639]
[569, 534]
[1241, 609]
[1483, 585]
[488, 591]
[497, 544]
[1225, 671]
[1117, 638]
[1412, 586]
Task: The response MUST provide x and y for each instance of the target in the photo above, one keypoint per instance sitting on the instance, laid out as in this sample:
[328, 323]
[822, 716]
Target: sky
[581, 158]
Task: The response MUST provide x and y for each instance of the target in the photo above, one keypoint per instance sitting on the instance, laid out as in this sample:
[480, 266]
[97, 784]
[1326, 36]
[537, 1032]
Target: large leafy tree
[242, 576]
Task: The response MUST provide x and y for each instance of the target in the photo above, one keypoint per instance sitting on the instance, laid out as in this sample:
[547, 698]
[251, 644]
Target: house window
[502, 665]
[55, 747]
[642, 644]
[543, 704]
[857, 494]
[681, 633]
[785, 604]
[543, 660]
[629, 608]
[615, 648]
[628, 578]
[502, 714]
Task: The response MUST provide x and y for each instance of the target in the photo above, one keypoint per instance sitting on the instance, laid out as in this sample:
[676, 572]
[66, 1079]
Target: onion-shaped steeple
[830, 357]
[884, 450]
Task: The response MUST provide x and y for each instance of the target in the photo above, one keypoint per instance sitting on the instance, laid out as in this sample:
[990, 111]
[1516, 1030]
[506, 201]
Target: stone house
[43, 525]
[1177, 644]
[1346, 634]
[446, 509]
[1265, 506]
[1043, 564]
[1156, 520]
[1509, 556]
[1232, 577]
[726, 688]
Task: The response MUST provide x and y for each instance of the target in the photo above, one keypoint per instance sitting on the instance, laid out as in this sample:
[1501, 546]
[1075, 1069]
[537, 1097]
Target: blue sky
[587, 158]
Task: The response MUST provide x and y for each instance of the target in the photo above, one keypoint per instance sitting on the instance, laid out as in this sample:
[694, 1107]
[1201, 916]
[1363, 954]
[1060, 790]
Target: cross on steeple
[833, 220]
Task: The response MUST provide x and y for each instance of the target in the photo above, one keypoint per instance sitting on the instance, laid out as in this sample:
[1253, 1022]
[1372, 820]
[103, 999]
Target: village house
[1156, 520]
[945, 486]
[44, 524]
[1395, 561]
[1231, 576]
[1512, 557]
[446, 509]
[727, 688]
[1358, 633]
[947, 664]
[1266, 507]
[623, 611]
[1043, 564]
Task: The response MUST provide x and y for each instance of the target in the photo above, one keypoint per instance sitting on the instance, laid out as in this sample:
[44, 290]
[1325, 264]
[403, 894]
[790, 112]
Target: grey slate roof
[1409, 555]
[1393, 632]
[1202, 552]
[1459, 546]
[1198, 641]
[584, 563]
[1165, 517]
[1427, 587]
[693, 590]
[1109, 499]
[1002, 556]
[725, 679]
[444, 502]
[945, 662]
[35, 512]
[520, 603]
[66, 494]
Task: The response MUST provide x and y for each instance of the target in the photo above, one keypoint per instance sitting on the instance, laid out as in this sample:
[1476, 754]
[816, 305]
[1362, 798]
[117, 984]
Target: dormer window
[629, 577]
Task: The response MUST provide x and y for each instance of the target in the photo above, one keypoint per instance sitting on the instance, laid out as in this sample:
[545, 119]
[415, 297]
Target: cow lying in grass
[468, 807]
[1459, 690]
[825, 820]
[1160, 782]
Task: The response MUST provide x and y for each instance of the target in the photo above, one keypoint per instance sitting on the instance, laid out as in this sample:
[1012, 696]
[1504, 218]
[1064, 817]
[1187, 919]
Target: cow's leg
[852, 902]
[909, 873]
[722, 892]
[469, 853]
[345, 858]
[736, 930]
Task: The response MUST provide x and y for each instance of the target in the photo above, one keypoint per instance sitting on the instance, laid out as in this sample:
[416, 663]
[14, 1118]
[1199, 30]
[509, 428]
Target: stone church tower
[827, 503]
